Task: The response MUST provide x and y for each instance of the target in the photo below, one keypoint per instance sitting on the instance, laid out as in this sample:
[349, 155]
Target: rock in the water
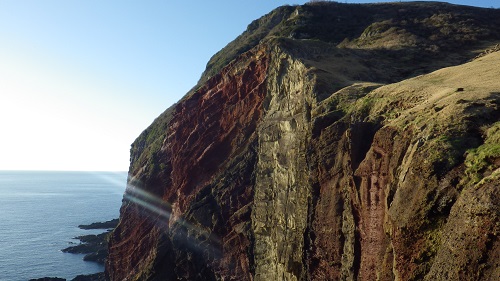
[48, 279]
[100, 225]
[94, 246]
[91, 277]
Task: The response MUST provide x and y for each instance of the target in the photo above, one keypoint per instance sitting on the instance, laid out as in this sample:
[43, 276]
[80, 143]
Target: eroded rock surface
[303, 160]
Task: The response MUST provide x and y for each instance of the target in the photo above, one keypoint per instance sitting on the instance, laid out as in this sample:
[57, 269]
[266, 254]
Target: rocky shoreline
[95, 248]
[89, 277]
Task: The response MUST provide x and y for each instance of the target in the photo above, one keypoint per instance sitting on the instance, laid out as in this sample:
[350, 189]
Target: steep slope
[295, 158]
[390, 208]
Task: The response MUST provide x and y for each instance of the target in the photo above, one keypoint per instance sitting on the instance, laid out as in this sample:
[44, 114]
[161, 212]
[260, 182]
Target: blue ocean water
[40, 213]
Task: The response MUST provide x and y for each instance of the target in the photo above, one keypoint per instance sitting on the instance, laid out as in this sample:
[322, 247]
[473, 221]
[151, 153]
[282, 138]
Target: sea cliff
[328, 142]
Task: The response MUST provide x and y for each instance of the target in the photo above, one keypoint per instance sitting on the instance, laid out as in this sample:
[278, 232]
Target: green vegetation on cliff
[482, 162]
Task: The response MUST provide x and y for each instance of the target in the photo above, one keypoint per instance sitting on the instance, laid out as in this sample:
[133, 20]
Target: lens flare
[184, 235]
[148, 201]
[115, 179]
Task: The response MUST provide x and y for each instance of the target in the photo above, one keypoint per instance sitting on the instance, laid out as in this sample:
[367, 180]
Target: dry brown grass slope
[448, 216]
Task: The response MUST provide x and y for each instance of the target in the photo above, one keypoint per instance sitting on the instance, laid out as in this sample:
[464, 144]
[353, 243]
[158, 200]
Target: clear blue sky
[79, 80]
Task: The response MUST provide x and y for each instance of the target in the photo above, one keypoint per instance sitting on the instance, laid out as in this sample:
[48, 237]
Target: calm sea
[40, 213]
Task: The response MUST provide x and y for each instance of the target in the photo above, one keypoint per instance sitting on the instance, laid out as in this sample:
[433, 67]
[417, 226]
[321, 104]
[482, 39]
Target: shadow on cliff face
[198, 243]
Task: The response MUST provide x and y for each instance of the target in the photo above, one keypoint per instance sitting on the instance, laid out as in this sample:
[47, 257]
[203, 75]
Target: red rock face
[207, 149]
[211, 126]
[375, 174]
[215, 126]
[348, 221]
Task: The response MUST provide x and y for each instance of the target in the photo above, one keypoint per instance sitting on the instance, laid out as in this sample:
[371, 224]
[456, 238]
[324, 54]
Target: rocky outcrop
[302, 160]
[281, 177]
[90, 277]
[48, 279]
[95, 247]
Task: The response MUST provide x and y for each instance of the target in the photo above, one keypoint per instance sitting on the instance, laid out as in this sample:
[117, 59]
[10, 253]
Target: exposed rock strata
[296, 162]
[281, 190]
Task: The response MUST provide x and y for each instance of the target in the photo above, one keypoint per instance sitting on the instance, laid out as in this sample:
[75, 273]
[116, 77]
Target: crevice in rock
[357, 245]
[361, 137]
[308, 260]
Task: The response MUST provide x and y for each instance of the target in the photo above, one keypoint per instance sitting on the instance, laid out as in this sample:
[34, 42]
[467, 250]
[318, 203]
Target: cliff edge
[328, 142]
